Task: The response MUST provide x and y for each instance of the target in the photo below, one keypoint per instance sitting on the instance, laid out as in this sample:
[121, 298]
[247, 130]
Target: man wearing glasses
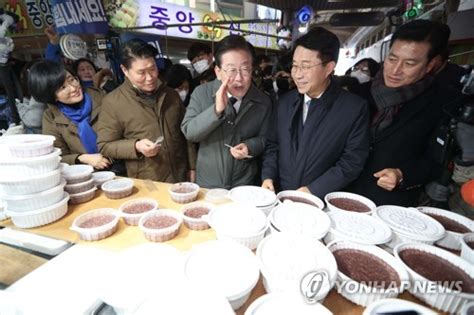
[229, 118]
[319, 137]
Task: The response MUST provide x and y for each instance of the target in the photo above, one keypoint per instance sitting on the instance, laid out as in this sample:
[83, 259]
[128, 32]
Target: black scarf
[389, 101]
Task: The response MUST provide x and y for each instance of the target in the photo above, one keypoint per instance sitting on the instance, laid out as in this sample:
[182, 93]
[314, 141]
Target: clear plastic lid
[217, 195]
[411, 223]
[258, 196]
[363, 229]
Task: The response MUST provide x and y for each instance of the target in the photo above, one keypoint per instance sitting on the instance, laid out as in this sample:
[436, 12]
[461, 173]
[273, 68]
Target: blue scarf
[81, 116]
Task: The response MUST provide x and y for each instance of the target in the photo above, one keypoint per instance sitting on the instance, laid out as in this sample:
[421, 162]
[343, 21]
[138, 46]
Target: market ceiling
[328, 5]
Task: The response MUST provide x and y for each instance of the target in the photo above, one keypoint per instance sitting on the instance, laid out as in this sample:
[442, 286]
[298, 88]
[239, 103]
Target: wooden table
[127, 236]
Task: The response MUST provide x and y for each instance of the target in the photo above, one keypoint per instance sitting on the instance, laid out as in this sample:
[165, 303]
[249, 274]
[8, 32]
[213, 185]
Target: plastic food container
[160, 225]
[12, 167]
[228, 267]
[299, 196]
[22, 203]
[217, 195]
[467, 247]
[193, 215]
[361, 293]
[24, 146]
[451, 240]
[409, 225]
[118, 188]
[31, 184]
[80, 187]
[102, 177]
[300, 218]
[438, 297]
[285, 258]
[184, 192]
[284, 303]
[133, 210]
[361, 229]
[257, 196]
[41, 216]
[357, 201]
[83, 196]
[96, 224]
[78, 173]
[242, 223]
[396, 306]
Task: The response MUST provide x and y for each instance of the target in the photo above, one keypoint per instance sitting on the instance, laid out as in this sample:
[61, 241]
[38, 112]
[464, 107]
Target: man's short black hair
[233, 42]
[321, 40]
[45, 78]
[136, 49]
[76, 64]
[431, 32]
[177, 74]
[197, 49]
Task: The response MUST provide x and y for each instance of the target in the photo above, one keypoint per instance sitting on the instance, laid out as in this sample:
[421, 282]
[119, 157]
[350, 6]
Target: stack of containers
[80, 184]
[31, 180]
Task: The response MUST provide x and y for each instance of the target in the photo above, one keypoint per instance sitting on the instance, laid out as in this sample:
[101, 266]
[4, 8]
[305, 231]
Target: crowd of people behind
[241, 119]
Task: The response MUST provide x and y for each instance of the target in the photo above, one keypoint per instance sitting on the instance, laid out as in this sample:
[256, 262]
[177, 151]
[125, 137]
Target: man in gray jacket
[229, 118]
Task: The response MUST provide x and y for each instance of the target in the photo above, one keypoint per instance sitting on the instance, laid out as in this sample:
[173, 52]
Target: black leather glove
[465, 139]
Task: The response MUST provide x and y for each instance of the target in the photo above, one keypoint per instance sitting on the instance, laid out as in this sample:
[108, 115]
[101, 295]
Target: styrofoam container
[31, 145]
[22, 203]
[78, 173]
[451, 240]
[366, 295]
[133, 218]
[396, 306]
[102, 177]
[41, 216]
[285, 258]
[118, 188]
[99, 232]
[242, 223]
[196, 223]
[184, 197]
[467, 252]
[161, 234]
[362, 229]
[79, 187]
[284, 303]
[302, 197]
[145, 270]
[31, 184]
[11, 167]
[441, 298]
[340, 194]
[256, 195]
[227, 267]
[409, 225]
[83, 196]
[300, 218]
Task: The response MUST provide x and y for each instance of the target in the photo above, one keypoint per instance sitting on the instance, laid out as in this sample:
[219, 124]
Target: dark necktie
[232, 101]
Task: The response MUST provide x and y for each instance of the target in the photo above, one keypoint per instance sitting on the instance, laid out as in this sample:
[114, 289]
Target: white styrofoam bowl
[438, 297]
[11, 167]
[467, 252]
[451, 240]
[28, 145]
[77, 173]
[367, 295]
[40, 217]
[308, 198]
[340, 194]
[22, 203]
[98, 232]
[30, 184]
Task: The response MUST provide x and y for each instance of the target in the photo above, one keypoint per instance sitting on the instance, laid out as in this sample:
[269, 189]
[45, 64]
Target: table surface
[127, 236]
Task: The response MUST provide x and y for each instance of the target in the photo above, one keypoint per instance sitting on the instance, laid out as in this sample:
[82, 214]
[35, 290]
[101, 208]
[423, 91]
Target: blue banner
[79, 17]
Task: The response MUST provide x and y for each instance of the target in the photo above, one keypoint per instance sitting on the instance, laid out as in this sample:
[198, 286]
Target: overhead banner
[79, 17]
[33, 16]
[134, 13]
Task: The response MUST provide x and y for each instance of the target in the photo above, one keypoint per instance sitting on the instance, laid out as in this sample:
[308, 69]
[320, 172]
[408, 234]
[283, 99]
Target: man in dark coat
[407, 110]
[320, 135]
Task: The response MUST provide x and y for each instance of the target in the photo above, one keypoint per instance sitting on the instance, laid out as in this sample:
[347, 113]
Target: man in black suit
[407, 108]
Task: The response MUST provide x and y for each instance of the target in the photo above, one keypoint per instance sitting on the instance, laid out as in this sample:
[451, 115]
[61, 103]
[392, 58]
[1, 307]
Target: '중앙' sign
[134, 13]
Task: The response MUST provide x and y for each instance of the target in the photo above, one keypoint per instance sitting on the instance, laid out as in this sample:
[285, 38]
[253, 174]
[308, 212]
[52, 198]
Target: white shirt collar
[307, 98]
